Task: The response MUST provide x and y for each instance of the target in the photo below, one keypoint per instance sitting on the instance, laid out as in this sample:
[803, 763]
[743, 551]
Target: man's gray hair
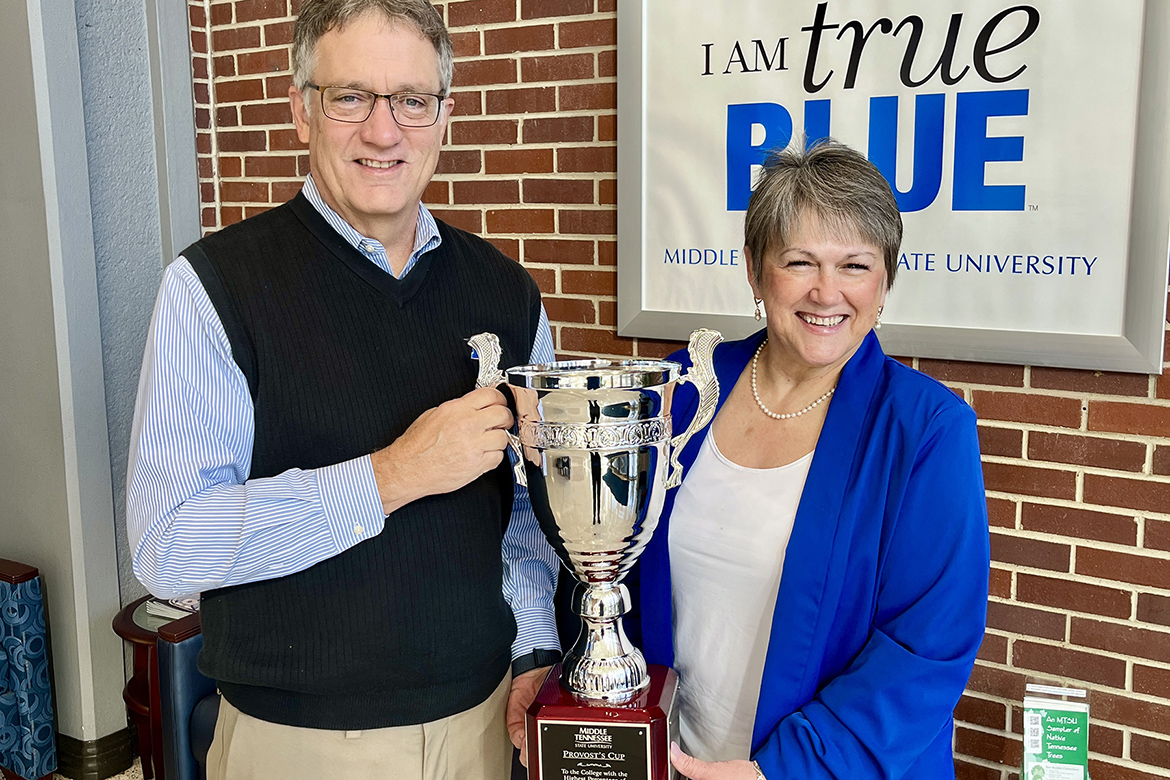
[838, 186]
[318, 17]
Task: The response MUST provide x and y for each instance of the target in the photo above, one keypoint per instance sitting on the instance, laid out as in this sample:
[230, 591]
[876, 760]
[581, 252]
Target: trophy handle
[486, 348]
[702, 375]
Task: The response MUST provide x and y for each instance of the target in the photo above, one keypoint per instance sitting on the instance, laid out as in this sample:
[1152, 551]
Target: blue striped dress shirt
[194, 519]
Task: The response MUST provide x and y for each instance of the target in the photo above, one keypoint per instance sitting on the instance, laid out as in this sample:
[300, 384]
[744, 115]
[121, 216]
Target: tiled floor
[133, 773]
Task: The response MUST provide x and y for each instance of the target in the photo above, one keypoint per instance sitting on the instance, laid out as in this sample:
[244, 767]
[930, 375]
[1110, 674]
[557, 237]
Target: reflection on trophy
[594, 440]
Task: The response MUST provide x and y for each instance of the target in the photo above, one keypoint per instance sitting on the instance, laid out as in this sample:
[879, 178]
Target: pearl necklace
[769, 412]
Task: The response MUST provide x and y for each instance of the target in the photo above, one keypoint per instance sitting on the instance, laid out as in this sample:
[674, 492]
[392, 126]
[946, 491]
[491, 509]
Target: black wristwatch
[534, 660]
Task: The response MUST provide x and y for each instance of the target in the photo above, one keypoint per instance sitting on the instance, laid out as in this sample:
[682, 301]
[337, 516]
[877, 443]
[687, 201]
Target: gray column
[98, 190]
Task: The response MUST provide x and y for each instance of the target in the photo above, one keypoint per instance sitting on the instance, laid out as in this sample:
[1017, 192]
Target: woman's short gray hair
[829, 181]
[318, 17]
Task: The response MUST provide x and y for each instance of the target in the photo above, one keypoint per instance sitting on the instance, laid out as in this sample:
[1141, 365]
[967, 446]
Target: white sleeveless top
[727, 537]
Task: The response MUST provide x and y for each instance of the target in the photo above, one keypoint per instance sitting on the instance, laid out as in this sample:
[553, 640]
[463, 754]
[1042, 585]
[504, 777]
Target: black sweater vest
[341, 358]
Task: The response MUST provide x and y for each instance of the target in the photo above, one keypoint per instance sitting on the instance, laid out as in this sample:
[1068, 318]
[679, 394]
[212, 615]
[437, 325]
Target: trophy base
[575, 739]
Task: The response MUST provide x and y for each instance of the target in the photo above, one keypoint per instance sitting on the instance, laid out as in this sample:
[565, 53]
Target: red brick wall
[1077, 463]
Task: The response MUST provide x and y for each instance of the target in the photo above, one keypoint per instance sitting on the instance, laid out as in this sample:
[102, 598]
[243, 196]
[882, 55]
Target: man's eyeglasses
[409, 109]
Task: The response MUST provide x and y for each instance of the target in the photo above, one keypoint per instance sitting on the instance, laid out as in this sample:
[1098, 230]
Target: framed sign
[1027, 143]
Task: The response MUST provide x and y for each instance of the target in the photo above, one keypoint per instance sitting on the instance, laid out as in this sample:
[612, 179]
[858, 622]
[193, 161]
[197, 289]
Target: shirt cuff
[349, 496]
[536, 627]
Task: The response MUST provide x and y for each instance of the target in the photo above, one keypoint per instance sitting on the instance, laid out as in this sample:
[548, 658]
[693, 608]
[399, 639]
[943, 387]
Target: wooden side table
[141, 694]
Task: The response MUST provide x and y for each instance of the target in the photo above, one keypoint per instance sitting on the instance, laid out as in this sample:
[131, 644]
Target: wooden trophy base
[573, 739]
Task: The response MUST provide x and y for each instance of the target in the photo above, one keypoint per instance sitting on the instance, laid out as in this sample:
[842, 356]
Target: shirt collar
[426, 232]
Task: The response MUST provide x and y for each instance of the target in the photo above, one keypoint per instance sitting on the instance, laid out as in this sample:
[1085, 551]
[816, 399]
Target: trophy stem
[603, 665]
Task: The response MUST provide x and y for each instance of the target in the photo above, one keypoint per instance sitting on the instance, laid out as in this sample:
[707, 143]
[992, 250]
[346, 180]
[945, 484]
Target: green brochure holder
[1056, 732]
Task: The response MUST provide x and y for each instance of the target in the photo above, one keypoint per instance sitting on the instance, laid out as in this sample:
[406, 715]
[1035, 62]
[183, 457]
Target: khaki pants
[471, 745]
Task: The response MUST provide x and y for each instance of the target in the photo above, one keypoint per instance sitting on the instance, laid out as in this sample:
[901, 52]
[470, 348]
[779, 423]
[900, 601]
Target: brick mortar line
[1075, 542]
[1072, 542]
[594, 16]
[1083, 579]
[603, 208]
[213, 128]
[547, 266]
[985, 763]
[520, 119]
[1009, 460]
[553, 177]
[523, 206]
[1138, 730]
[282, 101]
[587, 80]
[1067, 503]
[568, 267]
[1068, 644]
[257, 25]
[504, 178]
[534, 146]
[515, 57]
[1082, 395]
[245, 179]
[1080, 500]
[1080, 578]
[593, 49]
[1092, 579]
[554, 114]
[483, 27]
[1088, 685]
[260, 74]
[606, 329]
[1025, 460]
[577, 297]
[1065, 466]
[1016, 425]
[1081, 503]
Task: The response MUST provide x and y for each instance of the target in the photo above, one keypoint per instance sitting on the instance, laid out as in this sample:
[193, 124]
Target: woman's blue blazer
[883, 595]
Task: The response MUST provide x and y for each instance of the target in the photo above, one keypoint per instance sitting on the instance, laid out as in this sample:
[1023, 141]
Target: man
[352, 608]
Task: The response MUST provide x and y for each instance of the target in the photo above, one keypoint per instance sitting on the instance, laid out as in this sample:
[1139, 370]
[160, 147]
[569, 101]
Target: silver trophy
[595, 446]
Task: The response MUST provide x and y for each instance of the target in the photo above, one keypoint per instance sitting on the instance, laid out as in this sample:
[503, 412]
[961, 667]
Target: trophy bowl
[594, 435]
[594, 440]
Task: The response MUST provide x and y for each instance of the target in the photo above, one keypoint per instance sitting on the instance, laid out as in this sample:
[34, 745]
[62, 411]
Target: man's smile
[378, 163]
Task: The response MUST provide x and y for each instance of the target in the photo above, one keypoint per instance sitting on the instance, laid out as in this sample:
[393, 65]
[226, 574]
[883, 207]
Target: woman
[820, 579]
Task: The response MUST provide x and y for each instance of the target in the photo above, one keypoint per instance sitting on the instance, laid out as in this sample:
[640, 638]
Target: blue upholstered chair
[28, 744]
[189, 702]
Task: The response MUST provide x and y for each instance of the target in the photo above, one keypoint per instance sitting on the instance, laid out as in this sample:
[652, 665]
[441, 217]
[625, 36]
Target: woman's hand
[695, 769]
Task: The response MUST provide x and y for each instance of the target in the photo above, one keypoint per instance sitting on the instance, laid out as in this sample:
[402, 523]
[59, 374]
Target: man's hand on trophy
[693, 768]
[524, 690]
[444, 449]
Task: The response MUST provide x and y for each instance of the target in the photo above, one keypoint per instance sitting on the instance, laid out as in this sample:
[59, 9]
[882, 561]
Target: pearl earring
[759, 310]
[877, 325]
